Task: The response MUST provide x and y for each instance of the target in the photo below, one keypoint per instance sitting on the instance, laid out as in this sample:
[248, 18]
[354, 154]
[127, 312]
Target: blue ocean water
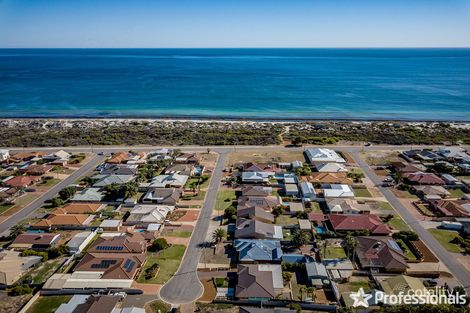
[406, 84]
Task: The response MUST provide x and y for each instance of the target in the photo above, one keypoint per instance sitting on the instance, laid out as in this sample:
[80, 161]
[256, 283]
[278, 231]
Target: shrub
[20, 290]
[159, 244]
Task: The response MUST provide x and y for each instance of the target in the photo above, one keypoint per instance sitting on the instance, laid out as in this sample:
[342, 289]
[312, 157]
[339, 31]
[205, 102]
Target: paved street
[36, 204]
[185, 286]
[457, 269]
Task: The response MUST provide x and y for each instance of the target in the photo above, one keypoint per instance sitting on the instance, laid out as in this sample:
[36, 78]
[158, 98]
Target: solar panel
[103, 264]
[110, 248]
[129, 265]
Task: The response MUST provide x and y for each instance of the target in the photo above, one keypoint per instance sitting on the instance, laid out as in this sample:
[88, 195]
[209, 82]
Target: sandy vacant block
[265, 156]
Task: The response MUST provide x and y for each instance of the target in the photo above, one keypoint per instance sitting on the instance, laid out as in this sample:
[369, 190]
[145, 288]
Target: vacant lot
[48, 304]
[265, 157]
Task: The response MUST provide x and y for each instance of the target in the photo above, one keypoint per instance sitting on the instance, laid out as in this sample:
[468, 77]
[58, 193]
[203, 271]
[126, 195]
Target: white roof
[72, 304]
[338, 191]
[331, 168]
[150, 213]
[4, 151]
[307, 189]
[111, 223]
[79, 238]
[172, 180]
[323, 155]
[256, 175]
[304, 224]
[276, 271]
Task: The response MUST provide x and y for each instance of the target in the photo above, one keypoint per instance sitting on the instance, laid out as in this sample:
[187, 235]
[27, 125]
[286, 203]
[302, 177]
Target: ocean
[353, 84]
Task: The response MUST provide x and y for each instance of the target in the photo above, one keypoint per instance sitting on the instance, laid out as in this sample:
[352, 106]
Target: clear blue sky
[235, 23]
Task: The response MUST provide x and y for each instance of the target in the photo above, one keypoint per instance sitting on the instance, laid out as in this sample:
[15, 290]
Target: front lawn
[179, 233]
[397, 223]
[5, 207]
[168, 261]
[225, 199]
[362, 192]
[445, 237]
[456, 193]
[48, 304]
[406, 250]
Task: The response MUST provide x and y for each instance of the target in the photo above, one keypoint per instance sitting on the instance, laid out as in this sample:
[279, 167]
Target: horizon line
[355, 47]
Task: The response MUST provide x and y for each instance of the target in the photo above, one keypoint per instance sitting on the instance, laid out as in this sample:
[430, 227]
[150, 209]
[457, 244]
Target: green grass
[362, 192]
[286, 220]
[456, 193]
[287, 234]
[445, 237]
[385, 206]
[49, 182]
[5, 207]
[221, 282]
[179, 233]
[406, 250]
[397, 223]
[354, 286]
[225, 199]
[332, 253]
[316, 207]
[48, 304]
[168, 260]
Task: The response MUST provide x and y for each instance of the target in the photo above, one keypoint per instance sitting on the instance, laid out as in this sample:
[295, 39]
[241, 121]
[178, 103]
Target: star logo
[360, 298]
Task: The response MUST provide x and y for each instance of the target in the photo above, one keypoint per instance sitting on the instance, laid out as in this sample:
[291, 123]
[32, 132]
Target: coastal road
[37, 203]
[184, 286]
[456, 268]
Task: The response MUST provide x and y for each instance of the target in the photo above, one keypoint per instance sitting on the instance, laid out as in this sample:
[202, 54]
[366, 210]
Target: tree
[55, 252]
[218, 235]
[159, 244]
[230, 213]
[286, 277]
[16, 230]
[351, 244]
[67, 193]
[312, 291]
[298, 140]
[303, 171]
[55, 202]
[295, 306]
[300, 238]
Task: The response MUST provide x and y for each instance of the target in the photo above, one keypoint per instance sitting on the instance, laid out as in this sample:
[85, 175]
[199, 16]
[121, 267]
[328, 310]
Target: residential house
[80, 241]
[120, 169]
[21, 181]
[35, 241]
[296, 207]
[38, 170]
[118, 158]
[4, 155]
[403, 167]
[402, 284]
[420, 178]
[186, 158]
[451, 208]
[316, 218]
[345, 206]
[304, 224]
[255, 213]
[451, 180]
[112, 179]
[322, 155]
[456, 154]
[331, 168]
[337, 191]
[80, 208]
[257, 230]
[64, 221]
[88, 195]
[381, 254]
[166, 196]
[256, 191]
[58, 158]
[427, 191]
[160, 154]
[259, 251]
[8, 195]
[118, 244]
[291, 190]
[256, 177]
[358, 222]
[182, 169]
[111, 225]
[259, 281]
[13, 266]
[111, 265]
[308, 192]
[96, 303]
[167, 181]
[148, 214]
[330, 178]
[267, 203]
[254, 167]
[317, 274]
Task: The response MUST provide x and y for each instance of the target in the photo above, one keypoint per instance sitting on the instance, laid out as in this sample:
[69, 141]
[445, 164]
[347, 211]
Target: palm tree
[302, 289]
[300, 238]
[16, 230]
[219, 234]
[351, 244]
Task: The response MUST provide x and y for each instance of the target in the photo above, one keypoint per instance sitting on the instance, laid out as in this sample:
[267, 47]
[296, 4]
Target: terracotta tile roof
[330, 178]
[36, 239]
[352, 222]
[79, 208]
[404, 167]
[452, 207]
[39, 169]
[117, 158]
[380, 252]
[257, 191]
[62, 219]
[118, 244]
[21, 181]
[113, 265]
[423, 178]
[316, 217]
